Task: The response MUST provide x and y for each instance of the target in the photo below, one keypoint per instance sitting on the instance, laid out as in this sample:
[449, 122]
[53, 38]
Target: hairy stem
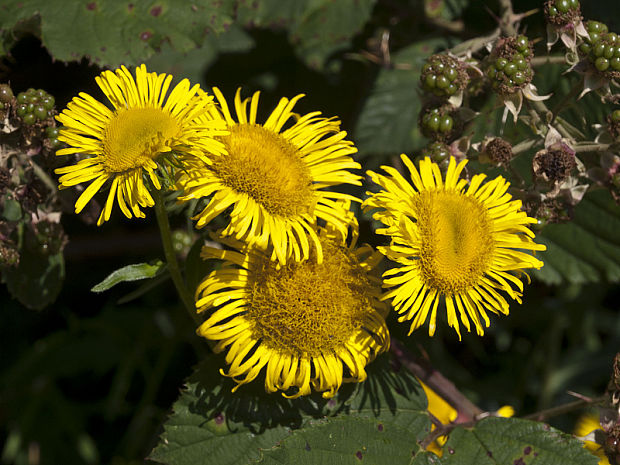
[436, 381]
[171, 258]
[565, 408]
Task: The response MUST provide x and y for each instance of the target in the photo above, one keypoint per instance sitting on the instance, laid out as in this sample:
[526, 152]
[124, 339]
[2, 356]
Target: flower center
[309, 309]
[135, 136]
[456, 243]
[268, 168]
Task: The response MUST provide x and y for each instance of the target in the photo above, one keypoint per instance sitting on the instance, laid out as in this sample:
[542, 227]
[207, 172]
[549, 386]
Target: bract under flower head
[274, 179]
[451, 243]
[309, 324]
[123, 143]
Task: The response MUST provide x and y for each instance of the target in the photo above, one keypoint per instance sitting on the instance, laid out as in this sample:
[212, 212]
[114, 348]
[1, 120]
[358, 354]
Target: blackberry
[6, 94]
[603, 51]
[34, 105]
[498, 151]
[438, 152]
[555, 163]
[438, 124]
[443, 75]
[509, 65]
[562, 12]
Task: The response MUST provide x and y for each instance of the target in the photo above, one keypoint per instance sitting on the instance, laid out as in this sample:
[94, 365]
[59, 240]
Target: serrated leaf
[346, 440]
[130, 273]
[110, 33]
[504, 441]
[212, 425]
[588, 248]
[389, 119]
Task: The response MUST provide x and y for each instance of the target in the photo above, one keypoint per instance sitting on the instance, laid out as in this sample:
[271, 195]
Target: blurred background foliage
[88, 380]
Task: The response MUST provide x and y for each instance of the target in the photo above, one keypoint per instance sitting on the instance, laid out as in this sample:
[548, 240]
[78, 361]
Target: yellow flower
[311, 325]
[126, 142]
[274, 179]
[443, 412]
[587, 424]
[451, 243]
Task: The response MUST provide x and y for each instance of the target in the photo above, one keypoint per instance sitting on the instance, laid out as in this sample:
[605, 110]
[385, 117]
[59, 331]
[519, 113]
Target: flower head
[451, 243]
[274, 179]
[310, 324]
[124, 143]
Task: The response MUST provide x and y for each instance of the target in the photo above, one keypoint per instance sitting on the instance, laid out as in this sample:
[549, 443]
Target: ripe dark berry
[6, 94]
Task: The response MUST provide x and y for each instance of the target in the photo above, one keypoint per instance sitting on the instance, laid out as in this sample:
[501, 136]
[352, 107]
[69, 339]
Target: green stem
[171, 258]
[594, 147]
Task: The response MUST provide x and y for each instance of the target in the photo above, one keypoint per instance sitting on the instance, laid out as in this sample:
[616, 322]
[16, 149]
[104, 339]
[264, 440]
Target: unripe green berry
[510, 69]
[40, 112]
[30, 107]
[21, 110]
[615, 63]
[553, 11]
[601, 64]
[521, 43]
[615, 116]
[451, 74]
[446, 124]
[562, 5]
[55, 143]
[520, 62]
[29, 119]
[519, 78]
[451, 90]
[500, 63]
[430, 81]
[52, 132]
[48, 102]
[585, 48]
[30, 91]
[574, 4]
[439, 67]
[599, 49]
[612, 37]
[22, 97]
[609, 52]
[6, 94]
[594, 37]
[433, 123]
[491, 73]
[442, 82]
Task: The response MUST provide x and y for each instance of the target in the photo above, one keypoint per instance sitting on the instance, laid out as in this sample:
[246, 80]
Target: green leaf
[12, 209]
[388, 123]
[130, 273]
[588, 248]
[37, 280]
[346, 440]
[212, 425]
[110, 32]
[504, 441]
[317, 28]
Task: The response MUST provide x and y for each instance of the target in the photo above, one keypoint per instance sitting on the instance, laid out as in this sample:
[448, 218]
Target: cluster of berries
[510, 68]
[562, 12]
[602, 49]
[613, 124]
[436, 124]
[31, 107]
[443, 76]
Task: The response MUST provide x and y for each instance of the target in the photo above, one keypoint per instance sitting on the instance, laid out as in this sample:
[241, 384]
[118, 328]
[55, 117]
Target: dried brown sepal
[555, 163]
